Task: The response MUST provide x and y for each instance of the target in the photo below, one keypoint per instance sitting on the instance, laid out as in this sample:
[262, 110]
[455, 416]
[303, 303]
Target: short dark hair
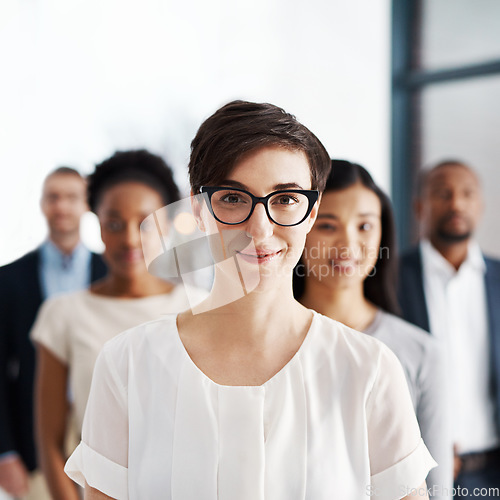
[132, 166]
[241, 127]
[380, 286]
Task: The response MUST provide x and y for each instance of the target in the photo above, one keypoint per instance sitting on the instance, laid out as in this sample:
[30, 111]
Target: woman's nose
[347, 245]
[259, 226]
[132, 236]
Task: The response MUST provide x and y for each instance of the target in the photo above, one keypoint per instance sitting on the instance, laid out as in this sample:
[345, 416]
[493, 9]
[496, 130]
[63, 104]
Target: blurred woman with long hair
[348, 272]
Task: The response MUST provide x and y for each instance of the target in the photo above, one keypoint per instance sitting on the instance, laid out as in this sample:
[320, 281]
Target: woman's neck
[134, 287]
[346, 304]
[257, 317]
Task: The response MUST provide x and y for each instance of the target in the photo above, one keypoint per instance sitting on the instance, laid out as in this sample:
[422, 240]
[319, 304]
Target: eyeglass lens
[284, 208]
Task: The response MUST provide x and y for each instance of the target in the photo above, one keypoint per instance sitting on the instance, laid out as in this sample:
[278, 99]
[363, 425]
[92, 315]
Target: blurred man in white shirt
[449, 288]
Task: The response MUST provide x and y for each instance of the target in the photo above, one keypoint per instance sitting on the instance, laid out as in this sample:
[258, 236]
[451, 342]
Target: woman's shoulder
[420, 354]
[56, 319]
[143, 344]
[63, 303]
[400, 334]
[340, 336]
[349, 349]
[67, 298]
[338, 352]
[148, 332]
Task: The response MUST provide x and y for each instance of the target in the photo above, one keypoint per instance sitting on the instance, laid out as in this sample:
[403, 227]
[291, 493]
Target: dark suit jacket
[20, 298]
[414, 308]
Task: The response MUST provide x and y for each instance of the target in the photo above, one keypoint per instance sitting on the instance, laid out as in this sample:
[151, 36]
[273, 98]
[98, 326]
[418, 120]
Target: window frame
[407, 83]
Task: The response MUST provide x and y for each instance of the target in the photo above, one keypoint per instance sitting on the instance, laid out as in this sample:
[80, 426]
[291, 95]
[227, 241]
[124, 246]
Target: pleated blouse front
[335, 422]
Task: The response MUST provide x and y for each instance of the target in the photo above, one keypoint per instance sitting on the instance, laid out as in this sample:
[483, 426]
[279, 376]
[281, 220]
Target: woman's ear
[196, 207]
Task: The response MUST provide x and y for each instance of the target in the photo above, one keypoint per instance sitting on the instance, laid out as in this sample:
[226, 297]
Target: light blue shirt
[61, 273]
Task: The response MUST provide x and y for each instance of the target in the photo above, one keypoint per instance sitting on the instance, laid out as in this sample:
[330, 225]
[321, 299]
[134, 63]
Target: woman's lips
[344, 265]
[259, 257]
[131, 256]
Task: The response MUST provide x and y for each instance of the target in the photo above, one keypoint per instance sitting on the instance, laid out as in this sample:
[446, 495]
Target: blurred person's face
[451, 205]
[261, 247]
[343, 245]
[63, 203]
[121, 210]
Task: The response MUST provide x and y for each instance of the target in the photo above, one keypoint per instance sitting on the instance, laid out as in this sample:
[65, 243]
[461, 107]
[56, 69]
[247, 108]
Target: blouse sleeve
[399, 460]
[433, 415]
[50, 329]
[101, 458]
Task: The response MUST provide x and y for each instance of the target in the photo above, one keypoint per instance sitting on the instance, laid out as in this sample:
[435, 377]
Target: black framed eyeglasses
[287, 207]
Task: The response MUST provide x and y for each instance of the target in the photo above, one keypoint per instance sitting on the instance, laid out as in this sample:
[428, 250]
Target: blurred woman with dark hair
[71, 329]
[348, 272]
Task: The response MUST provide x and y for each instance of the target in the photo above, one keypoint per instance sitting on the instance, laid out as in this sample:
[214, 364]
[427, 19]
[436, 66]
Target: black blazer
[20, 299]
[414, 308]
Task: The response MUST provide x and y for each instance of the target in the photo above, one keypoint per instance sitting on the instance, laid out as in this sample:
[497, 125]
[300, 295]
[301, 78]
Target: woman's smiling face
[343, 245]
[258, 245]
[121, 210]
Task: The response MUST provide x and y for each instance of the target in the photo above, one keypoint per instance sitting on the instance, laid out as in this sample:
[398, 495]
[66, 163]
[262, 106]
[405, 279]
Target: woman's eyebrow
[112, 213]
[369, 214]
[235, 184]
[363, 214]
[277, 187]
[289, 185]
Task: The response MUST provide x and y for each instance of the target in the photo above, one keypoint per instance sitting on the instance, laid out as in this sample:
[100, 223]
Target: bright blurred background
[81, 79]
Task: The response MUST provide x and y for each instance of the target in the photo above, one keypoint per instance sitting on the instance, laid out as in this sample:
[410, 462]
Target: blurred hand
[13, 476]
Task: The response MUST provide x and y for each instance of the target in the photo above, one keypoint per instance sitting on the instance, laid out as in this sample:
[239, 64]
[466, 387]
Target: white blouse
[335, 422]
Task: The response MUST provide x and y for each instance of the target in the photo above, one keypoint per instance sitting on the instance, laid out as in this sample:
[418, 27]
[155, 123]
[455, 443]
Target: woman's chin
[131, 271]
[337, 280]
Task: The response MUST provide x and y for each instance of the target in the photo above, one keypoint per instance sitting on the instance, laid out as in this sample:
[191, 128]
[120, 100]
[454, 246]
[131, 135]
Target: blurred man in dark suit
[61, 264]
[449, 288]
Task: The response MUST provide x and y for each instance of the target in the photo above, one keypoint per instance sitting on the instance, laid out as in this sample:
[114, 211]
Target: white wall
[81, 79]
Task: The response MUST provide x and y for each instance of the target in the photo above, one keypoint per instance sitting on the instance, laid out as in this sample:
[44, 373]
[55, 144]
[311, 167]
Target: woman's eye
[365, 226]
[231, 198]
[326, 227]
[113, 226]
[286, 200]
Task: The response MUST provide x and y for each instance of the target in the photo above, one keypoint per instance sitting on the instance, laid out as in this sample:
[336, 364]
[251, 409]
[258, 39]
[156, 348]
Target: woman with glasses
[348, 272]
[250, 396]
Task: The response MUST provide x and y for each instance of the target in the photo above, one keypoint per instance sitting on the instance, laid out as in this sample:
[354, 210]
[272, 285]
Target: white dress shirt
[458, 316]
